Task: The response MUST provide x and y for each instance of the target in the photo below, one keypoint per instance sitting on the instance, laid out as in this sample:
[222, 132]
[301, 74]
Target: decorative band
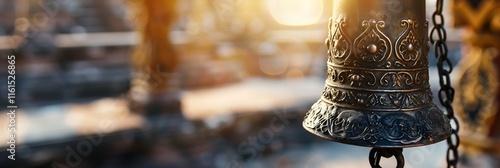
[373, 48]
[390, 79]
[378, 101]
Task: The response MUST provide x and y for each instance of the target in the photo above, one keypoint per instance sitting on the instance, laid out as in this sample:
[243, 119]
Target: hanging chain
[446, 92]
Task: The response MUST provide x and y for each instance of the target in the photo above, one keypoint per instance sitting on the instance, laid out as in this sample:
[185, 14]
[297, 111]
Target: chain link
[446, 92]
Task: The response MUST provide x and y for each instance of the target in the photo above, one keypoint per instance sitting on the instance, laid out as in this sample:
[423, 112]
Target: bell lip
[350, 142]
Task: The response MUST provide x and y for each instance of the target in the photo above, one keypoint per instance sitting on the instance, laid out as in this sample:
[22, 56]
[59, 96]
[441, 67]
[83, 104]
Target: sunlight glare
[296, 12]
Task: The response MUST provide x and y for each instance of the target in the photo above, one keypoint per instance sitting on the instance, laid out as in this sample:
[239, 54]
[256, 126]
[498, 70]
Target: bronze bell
[377, 91]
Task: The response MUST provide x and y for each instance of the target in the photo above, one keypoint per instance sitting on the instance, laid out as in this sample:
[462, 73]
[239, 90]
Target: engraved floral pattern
[373, 45]
[408, 45]
[397, 79]
[367, 129]
[365, 78]
[337, 42]
[378, 101]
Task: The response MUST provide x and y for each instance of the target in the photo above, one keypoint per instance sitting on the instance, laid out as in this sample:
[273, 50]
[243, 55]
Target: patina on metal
[377, 90]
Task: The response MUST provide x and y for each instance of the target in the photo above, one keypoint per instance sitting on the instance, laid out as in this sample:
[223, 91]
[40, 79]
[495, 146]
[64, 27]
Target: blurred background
[191, 83]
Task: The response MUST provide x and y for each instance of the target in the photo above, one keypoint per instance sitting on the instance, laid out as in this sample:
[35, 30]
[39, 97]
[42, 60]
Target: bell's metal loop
[377, 91]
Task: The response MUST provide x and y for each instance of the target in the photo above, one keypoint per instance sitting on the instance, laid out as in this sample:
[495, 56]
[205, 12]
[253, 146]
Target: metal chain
[446, 92]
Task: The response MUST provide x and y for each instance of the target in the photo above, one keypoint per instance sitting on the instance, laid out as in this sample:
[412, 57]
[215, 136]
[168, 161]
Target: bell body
[377, 90]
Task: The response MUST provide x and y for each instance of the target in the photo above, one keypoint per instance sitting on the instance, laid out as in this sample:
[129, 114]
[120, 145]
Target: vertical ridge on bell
[377, 90]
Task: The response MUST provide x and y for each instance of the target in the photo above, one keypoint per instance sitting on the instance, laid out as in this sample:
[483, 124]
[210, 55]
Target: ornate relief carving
[367, 129]
[377, 101]
[373, 45]
[427, 42]
[408, 45]
[395, 79]
[337, 42]
[353, 78]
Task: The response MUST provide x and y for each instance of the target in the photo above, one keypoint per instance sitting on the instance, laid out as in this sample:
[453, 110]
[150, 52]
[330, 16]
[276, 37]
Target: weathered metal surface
[377, 90]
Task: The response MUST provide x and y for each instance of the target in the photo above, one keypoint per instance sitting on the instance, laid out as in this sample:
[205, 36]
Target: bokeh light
[296, 12]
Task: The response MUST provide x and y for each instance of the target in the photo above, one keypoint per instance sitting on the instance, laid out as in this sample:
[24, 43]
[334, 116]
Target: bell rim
[378, 129]
[345, 141]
